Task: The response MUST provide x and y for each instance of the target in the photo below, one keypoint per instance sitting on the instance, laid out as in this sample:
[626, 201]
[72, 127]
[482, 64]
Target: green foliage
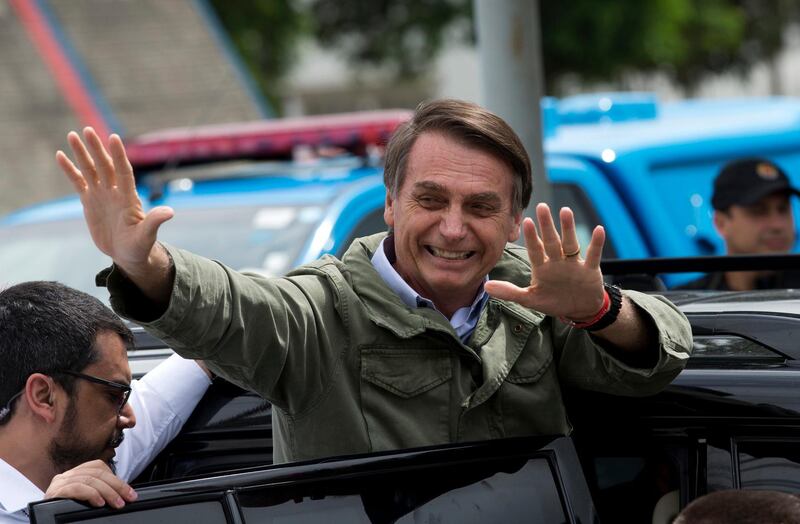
[265, 32]
[687, 39]
[404, 35]
[590, 40]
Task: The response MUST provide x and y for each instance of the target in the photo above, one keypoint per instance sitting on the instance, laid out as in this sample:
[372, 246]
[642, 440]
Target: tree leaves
[588, 40]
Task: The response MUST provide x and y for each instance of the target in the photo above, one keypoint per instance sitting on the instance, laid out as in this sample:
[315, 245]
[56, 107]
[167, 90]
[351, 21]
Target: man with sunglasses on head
[67, 404]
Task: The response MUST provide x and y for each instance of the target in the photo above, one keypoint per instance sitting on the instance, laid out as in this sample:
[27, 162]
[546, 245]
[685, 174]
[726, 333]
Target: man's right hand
[91, 482]
[103, 178]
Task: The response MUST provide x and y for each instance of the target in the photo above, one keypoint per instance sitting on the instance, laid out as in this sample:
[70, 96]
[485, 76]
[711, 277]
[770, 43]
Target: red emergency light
[266, 139]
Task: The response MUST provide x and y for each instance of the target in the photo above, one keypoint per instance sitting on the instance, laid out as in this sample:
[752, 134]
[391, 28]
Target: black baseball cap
[745, 182]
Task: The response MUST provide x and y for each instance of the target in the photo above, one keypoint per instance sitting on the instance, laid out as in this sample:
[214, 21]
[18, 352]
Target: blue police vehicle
[267, 196]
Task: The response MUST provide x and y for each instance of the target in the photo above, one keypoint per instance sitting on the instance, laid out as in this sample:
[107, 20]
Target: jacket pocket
[405, 396]
[530, 366]
[530, 397]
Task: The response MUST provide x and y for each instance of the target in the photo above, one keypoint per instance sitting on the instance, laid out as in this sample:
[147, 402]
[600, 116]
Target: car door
[514, 480]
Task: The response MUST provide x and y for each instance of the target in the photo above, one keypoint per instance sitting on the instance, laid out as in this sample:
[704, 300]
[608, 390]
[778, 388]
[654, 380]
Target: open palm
[104, 181]
[563, 284]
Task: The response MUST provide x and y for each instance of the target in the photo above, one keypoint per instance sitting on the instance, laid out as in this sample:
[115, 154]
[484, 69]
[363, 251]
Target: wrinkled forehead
[436, 145]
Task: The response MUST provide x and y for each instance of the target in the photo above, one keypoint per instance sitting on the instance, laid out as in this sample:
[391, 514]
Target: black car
[731, 419]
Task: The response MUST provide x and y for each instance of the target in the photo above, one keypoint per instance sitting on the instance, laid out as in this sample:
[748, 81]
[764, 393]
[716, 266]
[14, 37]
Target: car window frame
[558, 451]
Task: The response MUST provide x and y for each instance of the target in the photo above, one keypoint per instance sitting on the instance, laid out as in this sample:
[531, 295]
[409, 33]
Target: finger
[102, 160]
[73, 173]
[569, 236]
[125, 179]
[98, 491]
[78, 491]
[508, 291]
[113, 489]
[595, 250]
[154, 219]
[550, 237]
[111, 494]
[96, 482]
[82, 158]
[533, 243]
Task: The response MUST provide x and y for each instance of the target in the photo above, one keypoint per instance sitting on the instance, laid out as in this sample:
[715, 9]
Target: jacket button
[518, 329]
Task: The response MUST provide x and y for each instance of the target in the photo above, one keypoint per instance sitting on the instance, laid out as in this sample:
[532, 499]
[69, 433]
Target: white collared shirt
[463, 320]
[162, 401]
[15, 493]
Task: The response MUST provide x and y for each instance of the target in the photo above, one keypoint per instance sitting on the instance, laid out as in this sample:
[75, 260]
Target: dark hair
[742, 507]
[470, 124]
[47, 326]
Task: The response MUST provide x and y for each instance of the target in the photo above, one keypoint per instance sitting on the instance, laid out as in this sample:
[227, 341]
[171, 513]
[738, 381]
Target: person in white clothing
[72, 424]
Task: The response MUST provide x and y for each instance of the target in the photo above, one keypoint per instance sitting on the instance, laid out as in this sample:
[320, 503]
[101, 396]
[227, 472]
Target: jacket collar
[386, 309]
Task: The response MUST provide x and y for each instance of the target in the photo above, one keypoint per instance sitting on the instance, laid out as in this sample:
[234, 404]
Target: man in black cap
[753, 215]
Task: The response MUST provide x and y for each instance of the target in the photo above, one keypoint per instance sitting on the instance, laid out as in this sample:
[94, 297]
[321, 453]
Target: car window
[769, 465]
[629, 481]
[586, 217]
[256, 238]
[719, 467]
[525, 492]
[61, 251]
[266, 239]
[529, 495]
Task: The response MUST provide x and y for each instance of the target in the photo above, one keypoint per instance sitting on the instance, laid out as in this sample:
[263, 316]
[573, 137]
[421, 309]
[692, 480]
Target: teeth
[451, 255]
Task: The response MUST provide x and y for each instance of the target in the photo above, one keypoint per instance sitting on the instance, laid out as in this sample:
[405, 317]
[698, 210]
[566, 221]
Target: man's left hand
[563, 284]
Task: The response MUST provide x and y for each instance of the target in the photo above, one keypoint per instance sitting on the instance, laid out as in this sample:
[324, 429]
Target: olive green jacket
[350, 368]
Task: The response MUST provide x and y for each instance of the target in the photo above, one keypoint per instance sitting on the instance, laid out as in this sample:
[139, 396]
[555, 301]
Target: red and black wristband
[608, 313]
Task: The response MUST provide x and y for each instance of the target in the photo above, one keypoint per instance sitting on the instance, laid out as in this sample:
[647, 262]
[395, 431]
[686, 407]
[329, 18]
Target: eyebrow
[486, 196]
[429, 186]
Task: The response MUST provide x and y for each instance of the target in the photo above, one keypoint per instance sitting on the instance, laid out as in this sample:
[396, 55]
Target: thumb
[505, 291]
[154, 219]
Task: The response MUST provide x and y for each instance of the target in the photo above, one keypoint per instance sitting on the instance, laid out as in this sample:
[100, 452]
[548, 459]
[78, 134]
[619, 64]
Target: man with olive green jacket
[438, 332]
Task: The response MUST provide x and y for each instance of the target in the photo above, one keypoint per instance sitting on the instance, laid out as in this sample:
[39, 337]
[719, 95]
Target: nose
[126, 418]
[452, 224]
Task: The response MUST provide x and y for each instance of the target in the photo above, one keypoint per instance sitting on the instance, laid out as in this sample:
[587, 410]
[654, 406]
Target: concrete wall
[156, 63]
[31, 109]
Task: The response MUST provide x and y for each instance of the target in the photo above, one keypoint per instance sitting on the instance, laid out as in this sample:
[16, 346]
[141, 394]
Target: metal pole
[509, 44]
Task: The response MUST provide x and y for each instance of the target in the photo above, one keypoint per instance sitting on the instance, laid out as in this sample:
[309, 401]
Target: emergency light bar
[266, 139]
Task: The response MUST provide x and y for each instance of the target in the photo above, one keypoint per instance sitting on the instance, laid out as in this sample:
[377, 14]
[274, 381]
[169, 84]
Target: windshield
[255, 238]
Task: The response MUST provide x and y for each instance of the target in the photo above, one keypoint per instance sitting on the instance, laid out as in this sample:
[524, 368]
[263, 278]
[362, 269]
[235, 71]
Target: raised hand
[91, 482]
[103, 178]
[563, 284]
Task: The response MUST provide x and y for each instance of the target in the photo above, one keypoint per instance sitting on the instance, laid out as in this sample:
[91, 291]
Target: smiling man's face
[451, 217]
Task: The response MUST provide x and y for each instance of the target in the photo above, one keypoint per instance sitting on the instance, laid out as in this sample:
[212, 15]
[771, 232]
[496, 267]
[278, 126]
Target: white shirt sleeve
[162, 401]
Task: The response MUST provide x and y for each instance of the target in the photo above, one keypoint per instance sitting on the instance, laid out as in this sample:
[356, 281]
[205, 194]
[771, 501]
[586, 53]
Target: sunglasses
[123, 388]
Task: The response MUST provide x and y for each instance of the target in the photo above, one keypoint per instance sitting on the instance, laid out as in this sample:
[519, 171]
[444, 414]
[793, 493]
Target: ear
[721, 223]
[388, 210]
[513, 233]
[40, 396]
